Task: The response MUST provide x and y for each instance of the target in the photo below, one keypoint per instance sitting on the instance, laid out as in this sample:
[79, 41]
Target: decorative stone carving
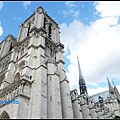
[36, 34]
[26, 90]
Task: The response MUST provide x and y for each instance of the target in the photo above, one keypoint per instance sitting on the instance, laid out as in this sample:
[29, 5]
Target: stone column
[92, 108]
[85, 111]
[22, 107]
[67, 111]
[36, 68]
[53, 98]
[77, 113]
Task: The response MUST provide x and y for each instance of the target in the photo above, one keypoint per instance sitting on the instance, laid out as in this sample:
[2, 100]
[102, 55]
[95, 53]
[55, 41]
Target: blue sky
[88, 29]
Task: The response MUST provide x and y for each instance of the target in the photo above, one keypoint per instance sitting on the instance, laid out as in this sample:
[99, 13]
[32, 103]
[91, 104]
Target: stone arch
[18, 70]
[5, 115]
[21, 65]
[17, 76]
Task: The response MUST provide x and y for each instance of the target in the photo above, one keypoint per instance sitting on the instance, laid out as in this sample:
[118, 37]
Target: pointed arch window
[17, 76]
[21, 65]
[10, 47]
[50, 32]
[45, 21]
[28, 29]
[5, 115]
[51, 52]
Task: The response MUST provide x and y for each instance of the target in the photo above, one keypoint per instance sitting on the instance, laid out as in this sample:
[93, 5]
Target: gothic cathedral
[34, 84]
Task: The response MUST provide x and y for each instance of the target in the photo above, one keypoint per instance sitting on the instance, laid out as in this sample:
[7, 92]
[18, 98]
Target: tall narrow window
[3, 66]
[50, 98]
[10, 47]
[45, 26]
[50, 32]
[51, 52]
[6, 64]
[50, 78]
[28, 29]
[44, 23]
[22, 51]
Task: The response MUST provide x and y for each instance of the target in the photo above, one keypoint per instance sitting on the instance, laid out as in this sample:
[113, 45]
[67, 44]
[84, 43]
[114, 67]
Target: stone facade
[32, 72]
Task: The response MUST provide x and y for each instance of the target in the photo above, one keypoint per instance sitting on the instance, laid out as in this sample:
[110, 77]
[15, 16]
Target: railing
[15, 89]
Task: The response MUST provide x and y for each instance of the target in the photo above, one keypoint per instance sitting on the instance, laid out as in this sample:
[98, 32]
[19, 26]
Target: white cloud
[108, 8]
[1, 5]
[1, 29]
[70, 4]
[26, 4]
[118, 87]
[71, 9]
[97, 45]
[74, 13]
[65, 13]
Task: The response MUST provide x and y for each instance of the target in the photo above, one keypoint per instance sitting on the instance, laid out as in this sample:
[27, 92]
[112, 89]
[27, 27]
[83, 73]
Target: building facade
[32, 73]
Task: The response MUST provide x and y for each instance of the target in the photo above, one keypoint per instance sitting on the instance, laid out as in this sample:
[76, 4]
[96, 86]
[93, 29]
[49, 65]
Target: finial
[77, 56]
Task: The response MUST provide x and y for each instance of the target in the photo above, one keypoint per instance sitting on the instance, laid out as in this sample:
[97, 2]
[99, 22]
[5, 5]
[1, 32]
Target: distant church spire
[82, 86]
[111, 89]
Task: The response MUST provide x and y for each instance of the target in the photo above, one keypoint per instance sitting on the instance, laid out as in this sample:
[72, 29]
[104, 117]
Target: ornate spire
[111, 89]
[80, 72]
[82, 85]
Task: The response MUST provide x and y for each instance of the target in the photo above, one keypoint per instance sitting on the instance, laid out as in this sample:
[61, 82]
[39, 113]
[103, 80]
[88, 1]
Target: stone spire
[80, 72]
[82, 85]
[111, 89]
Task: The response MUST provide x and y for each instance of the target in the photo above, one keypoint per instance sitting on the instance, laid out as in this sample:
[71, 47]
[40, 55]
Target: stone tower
[34, 84]
[32, 71]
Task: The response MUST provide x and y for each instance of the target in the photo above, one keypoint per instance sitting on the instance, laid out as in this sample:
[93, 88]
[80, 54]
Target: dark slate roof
[104, 95]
